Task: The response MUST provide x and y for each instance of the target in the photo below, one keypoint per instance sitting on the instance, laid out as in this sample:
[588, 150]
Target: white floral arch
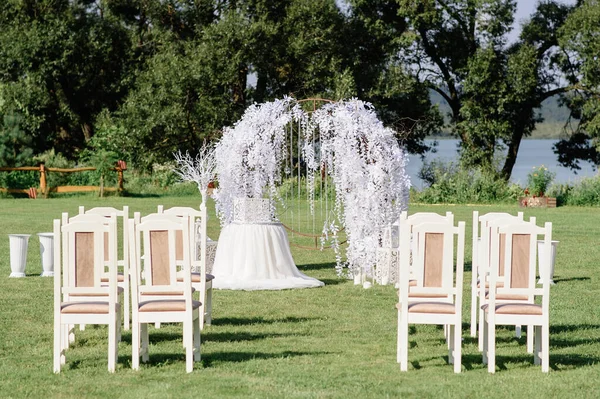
[362, 157]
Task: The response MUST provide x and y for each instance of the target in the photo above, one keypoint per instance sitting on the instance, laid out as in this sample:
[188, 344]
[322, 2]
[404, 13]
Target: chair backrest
[423, 217]
[481, 236]
[80, 256]
[155, 240]
[432, 265]
[198, 235]
[520, 256]
[110, 212]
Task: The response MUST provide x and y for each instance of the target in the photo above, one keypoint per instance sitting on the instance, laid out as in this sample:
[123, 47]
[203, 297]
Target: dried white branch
[201, 170]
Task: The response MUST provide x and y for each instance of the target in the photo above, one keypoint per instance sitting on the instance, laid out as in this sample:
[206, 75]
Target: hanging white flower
[347, 141]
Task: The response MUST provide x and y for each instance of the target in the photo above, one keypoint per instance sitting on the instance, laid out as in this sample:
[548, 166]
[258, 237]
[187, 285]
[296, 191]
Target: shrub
[450, 183]
[585, 192]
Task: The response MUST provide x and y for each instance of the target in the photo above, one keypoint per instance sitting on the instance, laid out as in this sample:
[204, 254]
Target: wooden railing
[45, 189]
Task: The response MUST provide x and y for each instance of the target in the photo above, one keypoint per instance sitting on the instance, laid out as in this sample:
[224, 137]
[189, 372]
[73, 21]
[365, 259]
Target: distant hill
[555, 116]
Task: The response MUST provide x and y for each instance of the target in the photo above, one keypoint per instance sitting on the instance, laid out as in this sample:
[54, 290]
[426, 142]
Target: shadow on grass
[238, 357]
[317, 266]
[563, 280]
[159, 359]
[561, 328]
[333, 281]
[241, 336]
[241, 321]
[139, 195]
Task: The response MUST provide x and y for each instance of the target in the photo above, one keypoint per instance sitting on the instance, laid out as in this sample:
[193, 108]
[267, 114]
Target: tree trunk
[513, 150]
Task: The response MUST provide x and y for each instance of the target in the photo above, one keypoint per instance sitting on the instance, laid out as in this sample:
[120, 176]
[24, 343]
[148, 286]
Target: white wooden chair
[123, 259]
[80, 297]
[160, 297]
[438, 282]
[496, 262]
[519, 280]
[481, 259]
[201, 279]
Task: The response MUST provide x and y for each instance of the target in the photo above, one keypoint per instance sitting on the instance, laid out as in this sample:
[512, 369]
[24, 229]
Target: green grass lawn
[336, 341]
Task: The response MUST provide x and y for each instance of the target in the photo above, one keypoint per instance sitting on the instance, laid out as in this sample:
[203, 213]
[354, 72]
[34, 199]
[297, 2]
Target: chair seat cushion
[507, 297]
[94, 307]
[120, 290]
[165, 293]
[196, 277]
[175, 305]
[423, 295]
[429, 307]
[516, 308]
[120, 278]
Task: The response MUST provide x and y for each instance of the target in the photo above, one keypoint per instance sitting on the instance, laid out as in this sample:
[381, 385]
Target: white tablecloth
[257, 257]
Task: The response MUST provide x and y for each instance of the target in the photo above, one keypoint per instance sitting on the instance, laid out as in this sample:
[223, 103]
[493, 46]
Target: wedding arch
[340, 142]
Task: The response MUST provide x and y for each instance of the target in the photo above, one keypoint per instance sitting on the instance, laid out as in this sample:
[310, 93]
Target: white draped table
[256, 256]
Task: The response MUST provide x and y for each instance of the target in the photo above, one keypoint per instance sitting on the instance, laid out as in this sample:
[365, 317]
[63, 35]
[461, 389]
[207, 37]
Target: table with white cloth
[256, 256]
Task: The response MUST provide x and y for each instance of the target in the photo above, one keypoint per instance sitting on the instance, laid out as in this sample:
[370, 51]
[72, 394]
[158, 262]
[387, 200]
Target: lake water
[532, 153]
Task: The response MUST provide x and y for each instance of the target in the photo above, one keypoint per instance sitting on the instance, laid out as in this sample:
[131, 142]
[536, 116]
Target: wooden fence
[45, 189]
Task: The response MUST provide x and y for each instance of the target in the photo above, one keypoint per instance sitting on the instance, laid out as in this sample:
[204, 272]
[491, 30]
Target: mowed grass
[338, 341]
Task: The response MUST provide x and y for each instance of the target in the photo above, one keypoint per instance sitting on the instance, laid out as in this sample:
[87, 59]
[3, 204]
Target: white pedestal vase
[47, 253]
[18, 254]
[541, 260]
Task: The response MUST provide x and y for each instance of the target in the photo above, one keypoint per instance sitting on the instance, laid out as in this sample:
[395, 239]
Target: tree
[61, 62]
[458, 48]
[580, 37]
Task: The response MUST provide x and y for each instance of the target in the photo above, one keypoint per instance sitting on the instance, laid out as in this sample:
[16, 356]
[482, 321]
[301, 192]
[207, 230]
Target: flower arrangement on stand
[538, 181]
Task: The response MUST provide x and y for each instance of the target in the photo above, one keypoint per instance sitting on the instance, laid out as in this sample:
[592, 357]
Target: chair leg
[403, 328]
[126, 294]
[545, 343]
[537, 335]
[189, 346]
[157, 325]
[145, 338]
[530, 335]
[58, 344]
[484, 338]
[491, 348]
[474, 311]
[197, 343]
[398, 342]
[135, 345]
[457, 347]
[450, 341]
[518, 331]
[70, 336]
[480, 339]
[208, 317]
[112, 343]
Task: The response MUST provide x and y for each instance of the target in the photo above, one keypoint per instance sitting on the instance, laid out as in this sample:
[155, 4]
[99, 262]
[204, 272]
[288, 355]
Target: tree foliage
[144, 78]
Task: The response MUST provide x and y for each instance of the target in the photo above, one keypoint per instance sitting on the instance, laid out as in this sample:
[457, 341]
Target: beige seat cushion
[120, 278]
[422, 295]
[165, 293]
[166, 306]
[429, 307]
[507, 297]
[516, 308]
[94, 307]
[196, 277]
[120, 290]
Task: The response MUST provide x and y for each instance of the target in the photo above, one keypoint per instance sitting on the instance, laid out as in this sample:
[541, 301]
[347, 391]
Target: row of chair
[503, 286]
[159, 252]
